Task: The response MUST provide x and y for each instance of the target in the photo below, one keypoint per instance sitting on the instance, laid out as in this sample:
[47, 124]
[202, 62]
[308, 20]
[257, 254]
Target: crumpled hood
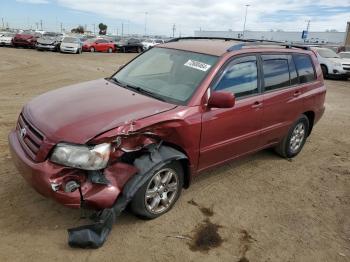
[48, 40]
[80, 112]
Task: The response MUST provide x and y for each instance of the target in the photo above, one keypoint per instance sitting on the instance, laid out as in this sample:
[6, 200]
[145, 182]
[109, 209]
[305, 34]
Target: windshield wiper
[137, 89]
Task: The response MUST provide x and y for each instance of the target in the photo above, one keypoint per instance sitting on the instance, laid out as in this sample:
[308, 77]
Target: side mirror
[221, 100]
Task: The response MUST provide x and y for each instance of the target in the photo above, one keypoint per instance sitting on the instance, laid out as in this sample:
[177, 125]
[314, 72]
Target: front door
[232, 132]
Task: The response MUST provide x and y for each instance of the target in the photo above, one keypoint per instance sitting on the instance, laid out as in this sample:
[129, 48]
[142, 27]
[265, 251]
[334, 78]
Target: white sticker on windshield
[197, 65]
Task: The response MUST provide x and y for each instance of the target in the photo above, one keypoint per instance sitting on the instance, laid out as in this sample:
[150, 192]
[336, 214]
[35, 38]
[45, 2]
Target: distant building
[284, 36]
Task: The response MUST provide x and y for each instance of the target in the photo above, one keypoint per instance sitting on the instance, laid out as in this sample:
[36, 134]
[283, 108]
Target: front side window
[169, 74]
[276, 72]
[240, 77]
[304, 67]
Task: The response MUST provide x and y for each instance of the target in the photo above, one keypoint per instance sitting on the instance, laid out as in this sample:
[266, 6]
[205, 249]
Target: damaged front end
[134, 158]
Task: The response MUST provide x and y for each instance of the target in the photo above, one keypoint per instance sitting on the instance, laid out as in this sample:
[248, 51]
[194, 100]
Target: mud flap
[94, 235]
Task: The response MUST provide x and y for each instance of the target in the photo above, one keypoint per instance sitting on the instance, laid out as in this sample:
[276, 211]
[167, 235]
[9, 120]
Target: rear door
[230, 132]
[283, 96]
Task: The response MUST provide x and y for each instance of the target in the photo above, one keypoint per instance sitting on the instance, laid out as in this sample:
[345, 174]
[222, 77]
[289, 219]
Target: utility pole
[174, 29]
[245, 19]
[41, 25]
[307, 29]
[94, 28]
[146, 23]
[3, 24]
[61, 27]
[122, 29]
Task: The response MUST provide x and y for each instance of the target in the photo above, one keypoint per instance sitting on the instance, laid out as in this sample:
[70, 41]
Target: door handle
[297, 93]
[257, 104]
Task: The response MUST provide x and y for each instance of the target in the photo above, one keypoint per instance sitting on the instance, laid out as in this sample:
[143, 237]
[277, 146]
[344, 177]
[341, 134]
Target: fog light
[71, 186]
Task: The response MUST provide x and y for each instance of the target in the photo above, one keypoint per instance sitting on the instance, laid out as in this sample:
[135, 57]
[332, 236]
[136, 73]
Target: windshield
[50, 34]
[169, 74]
[344, 55]
[327, 53]
[70, 40]
[90, 40]
[159, 41]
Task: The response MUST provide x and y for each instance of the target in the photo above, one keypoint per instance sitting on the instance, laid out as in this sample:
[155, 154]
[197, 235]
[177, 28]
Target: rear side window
[240, 77]
[304, 67]
[276, 71]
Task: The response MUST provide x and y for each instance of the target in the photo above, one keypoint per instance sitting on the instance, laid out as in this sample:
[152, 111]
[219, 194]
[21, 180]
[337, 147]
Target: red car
[177, 110]
[98, 45]
[25, 39]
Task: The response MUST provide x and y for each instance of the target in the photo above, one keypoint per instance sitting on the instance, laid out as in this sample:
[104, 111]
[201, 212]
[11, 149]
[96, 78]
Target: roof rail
[252, 42]
[209, 38]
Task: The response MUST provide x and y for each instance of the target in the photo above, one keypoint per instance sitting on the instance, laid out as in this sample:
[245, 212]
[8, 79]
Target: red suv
[99, 45]
[139, 136]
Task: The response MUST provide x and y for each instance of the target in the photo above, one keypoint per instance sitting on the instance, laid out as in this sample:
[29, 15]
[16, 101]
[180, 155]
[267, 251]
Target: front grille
[29, 137]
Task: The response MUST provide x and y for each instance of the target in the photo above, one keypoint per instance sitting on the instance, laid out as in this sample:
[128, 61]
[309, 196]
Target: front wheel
[159, 193]
[294, 141]
[92, 49]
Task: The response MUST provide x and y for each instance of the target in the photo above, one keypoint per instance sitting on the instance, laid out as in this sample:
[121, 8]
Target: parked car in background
[50, 41]
[332, 64]
[6, 39]
[71, 44]
[148, 43]
[129, 45]
[25, 39]
[99, 45]
[345, 55]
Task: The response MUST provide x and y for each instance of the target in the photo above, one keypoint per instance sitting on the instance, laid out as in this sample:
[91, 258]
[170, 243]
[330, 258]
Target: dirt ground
[261, 208]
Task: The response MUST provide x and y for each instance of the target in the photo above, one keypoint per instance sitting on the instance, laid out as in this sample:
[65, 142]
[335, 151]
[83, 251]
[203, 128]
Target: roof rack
[209, 38]
[245, 42]
[254, 42]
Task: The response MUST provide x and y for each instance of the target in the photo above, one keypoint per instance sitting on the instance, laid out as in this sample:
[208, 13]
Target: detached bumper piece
[94, 235]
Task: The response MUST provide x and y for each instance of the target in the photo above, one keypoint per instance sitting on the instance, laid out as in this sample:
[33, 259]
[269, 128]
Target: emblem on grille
[23, 132]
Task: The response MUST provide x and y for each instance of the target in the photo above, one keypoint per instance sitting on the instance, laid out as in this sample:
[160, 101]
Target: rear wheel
[139, 50]
[159, 193]
[324, 71]
[110, 50]
[294, 141]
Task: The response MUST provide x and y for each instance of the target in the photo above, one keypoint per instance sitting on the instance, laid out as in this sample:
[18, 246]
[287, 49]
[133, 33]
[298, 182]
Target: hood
[24, 36]
[80, 112]
[48, 39]
[339, 60]
[73, 45]
[6, 38]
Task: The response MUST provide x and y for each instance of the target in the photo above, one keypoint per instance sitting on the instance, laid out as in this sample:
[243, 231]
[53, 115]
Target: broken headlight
[81, 156]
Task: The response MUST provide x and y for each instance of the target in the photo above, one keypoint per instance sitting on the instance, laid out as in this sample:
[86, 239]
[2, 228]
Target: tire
[110, 50]
[139, 50]
[293, 142]
[141, 205]
[92, 49]
[324, 71]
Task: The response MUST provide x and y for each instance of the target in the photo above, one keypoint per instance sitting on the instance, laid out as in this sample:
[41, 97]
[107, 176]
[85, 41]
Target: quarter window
[276, 72]
[304, 67]
[241, 78]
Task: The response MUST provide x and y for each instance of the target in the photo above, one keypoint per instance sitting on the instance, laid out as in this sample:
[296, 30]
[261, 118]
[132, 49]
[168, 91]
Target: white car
[332, 64]
[6, 39]
[148, 43]
[345, 55]
[71, 44]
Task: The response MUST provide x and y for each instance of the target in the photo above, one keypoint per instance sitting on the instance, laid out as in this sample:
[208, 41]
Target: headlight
[80, 156]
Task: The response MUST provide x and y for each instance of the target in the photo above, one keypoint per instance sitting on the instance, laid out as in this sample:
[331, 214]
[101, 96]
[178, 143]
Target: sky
[157, 17]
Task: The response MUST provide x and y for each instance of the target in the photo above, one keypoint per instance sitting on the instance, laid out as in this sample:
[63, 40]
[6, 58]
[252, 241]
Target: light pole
[245, 19]
[146, 13]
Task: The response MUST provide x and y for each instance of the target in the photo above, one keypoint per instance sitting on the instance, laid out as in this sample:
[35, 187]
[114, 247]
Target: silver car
[71, 44]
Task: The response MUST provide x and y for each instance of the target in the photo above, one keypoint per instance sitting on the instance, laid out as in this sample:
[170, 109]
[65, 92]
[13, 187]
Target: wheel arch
[311, 117]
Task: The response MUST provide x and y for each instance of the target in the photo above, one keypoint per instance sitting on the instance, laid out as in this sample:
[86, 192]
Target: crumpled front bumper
[49, 179]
